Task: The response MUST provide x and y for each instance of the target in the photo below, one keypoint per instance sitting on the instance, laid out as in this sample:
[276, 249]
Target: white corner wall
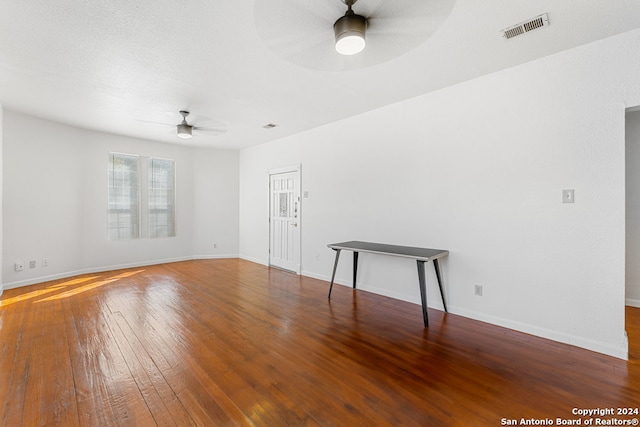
[632, 277]
[1, 156]
[55, 193]
[215, 203]
[478, 169]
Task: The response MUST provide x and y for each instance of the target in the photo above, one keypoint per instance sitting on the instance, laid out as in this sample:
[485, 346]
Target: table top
[421, 254]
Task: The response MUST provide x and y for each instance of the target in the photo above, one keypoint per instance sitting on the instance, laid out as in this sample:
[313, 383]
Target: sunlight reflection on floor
[64, 285]
[89, 286]
[50, 289]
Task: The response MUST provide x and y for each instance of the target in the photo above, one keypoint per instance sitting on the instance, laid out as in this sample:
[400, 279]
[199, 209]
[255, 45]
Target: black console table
[421, 255]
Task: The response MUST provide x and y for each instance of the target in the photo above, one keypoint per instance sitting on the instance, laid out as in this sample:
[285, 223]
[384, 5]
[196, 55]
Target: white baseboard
[621, 352]
[316, 276]
[632, 302]
[597, 346]
[256, 260]
[67, 274]
[415, 299]
[223, 256]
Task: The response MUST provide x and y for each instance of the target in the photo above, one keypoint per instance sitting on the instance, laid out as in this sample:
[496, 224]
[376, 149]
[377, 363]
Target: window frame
[134, 228]
[171, 210]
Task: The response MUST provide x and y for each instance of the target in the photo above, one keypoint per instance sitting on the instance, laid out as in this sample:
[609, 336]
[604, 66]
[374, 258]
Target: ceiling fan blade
[212, 126]
[156, 123]
[291, 28]
[215, 126]
[289, 46]
[210, 131]
[411, 17]
[203, 121]
[300, 14]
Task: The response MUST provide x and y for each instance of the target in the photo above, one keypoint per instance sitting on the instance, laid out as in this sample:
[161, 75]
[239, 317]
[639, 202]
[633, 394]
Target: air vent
[525, 27]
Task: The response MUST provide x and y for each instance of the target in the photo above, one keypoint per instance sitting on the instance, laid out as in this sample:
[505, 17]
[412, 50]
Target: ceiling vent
[525, 27]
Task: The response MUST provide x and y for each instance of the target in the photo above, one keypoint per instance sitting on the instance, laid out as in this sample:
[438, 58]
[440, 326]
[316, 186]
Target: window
[161, 198]
[124, 205]
[134, 201]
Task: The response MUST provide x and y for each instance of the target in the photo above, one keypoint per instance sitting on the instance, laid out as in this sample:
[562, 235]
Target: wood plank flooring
[229, 342]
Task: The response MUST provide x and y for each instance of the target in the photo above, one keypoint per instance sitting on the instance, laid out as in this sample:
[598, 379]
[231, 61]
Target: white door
[284, 220]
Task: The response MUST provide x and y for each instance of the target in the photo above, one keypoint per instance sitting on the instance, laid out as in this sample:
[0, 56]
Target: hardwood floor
[229, 342]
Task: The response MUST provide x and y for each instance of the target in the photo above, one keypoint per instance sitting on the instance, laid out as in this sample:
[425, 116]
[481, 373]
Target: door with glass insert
[284, 220]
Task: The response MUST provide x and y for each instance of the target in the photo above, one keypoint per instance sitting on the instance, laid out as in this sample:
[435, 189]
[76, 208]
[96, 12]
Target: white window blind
[161, 212]
[124, 205]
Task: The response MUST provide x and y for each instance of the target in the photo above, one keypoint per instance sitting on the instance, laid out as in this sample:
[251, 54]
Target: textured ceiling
[121, 66]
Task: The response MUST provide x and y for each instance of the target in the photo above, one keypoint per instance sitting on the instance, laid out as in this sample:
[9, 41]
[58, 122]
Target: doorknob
[295, 224]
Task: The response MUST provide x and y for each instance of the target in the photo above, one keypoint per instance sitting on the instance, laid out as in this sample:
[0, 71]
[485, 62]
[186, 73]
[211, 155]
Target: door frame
[297, 169]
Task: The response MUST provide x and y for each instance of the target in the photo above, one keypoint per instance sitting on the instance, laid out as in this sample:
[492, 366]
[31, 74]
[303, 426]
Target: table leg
[335, 267]
[355, 268]
[423, 292]
[436, 267]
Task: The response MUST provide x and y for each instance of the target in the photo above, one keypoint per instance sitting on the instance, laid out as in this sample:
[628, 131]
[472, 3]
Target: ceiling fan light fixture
[350, 33]
[184, 130]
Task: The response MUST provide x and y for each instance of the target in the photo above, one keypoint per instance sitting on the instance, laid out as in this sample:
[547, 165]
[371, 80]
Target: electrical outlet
[317, 257]
[568, 196]
[45, 262]
[32, 264]
[478, 290]
[215, 245]
[19, 265]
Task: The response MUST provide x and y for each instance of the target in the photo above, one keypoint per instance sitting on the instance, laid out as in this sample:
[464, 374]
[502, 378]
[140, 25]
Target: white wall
[478, 169]
[1, 155]
[215, 203]
[55, 197]
[632, 278]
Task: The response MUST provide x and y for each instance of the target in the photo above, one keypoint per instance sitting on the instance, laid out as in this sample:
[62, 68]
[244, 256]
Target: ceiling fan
[320, 35]
[185, 130]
